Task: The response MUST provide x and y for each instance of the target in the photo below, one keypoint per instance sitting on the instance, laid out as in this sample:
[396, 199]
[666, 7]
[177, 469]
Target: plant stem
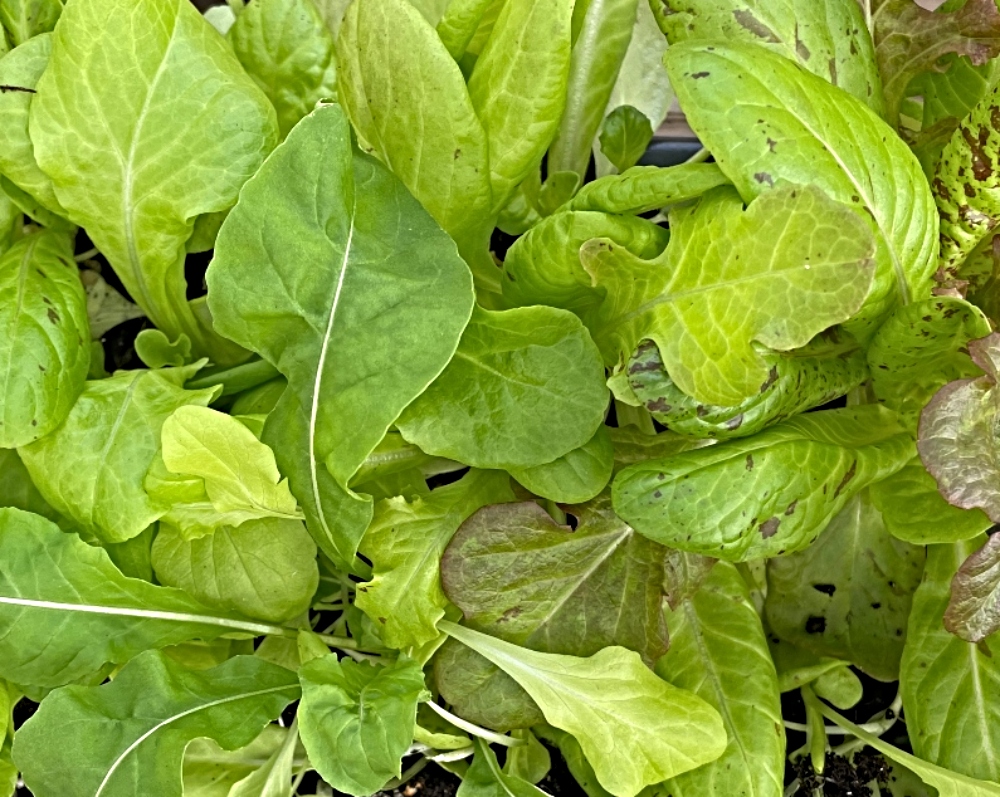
[700, 156]
[475, 730]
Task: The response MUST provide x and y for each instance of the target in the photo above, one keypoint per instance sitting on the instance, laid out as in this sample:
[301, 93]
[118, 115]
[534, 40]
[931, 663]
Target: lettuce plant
[478, 443]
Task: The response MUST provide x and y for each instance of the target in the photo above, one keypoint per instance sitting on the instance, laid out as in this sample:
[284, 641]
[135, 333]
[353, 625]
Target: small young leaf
[793, 264]
[150, 153]
[635, 729]
[286, 47]
[767, 495]
[405, 542]
[575, 477]
[66, 609]
[127, 738]
[529, 761]
[945, 681]
[839, 686]
[91, 469]
[625, 134]
[356, 720]
[262, 568]
[485, 778]
[525, 387]
[641, 189]
[336, 276]
[44, 339]
[958, 439]
[974, 610]
[156, 350]
[273, 778]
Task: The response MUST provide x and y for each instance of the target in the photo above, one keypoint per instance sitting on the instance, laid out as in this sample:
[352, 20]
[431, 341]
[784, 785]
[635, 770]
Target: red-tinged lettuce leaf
[974, 610]
[909, 40]
[958, 440]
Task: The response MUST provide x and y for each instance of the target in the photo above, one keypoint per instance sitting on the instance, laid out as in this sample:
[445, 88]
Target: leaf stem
[700, 156]
[475, 730]
[93, 252]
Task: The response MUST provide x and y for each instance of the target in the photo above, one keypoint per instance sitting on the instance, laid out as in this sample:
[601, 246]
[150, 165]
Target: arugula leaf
[910, 40]
[156, 152]
[848, 595]
[23, 67]
[155, 708]
[91, 468]
[262, 568]
[957, 435]
[645, 188]
[974, 609]
[781, 486]
[830, 40]
[486, 779]
[211, 771]
[919, 348]
[718, 651]
[944, 678]
[44, 345]
[356, 345]
[795, 382]
[634, 728]
[525, 387]
[25, 19]
[543, 266]
[273, 778]
[405, 542]
[575, 477]
[356, 720]
[625, 134]
[67, 609]
[802, 264]
[812, 133]
[286, 47]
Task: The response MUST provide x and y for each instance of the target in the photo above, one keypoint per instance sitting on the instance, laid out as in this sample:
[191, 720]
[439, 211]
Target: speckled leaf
[262, 568]
[525, 387]
[769, 123]
[848, 595]
[645, 188]
[286, 47]
[127, 737]
[25, 19]
[135, 161]
[921, 347]
[958, 434]
[948, 683]
[23, 67]
[516, 574]
[634, 728]
[830, 39]
[91, 468]
[405, 542]
[913, 510]
[974, 610]
[356, 719]
[543, 266]
[44, 337]
[791, 265]
[575, 477]
[718, 651]
[767, 495]
[67, 610]
[795, 383]
[335, 275]
[910, 40]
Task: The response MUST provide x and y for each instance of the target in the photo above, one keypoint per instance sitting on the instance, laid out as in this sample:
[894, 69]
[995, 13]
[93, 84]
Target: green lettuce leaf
[25, 19]
[263, 568]
[767, 495]
[769, 123]
[91, 469]
[44, 337]
[485, 778]
[286, 47]
[128, 737]
[575, 477]
[17, 490]
[135, 161]
[66, 609]
[848, 595]
[356, 344]
[525, 387]
[791, 265]
[635, 729]
[974, 609]
[460, 22]
[625, 134]
[718, 651]
[645, 188]
[945, 680]
[211, 771]
[357, 719]
[405, 542]
[831, 39]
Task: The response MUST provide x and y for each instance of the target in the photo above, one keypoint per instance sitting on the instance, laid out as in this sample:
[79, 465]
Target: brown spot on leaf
[53, 316]
[747, 20]
[847, 478]
[749, 461]
[657, 494]
[791, 508]
[700, 75]
[511, 614]
[764, 177]
[833, 71]
[772, 377]
[769, 527]
[815, 625]
[771, 144]
[981, 166]
[660, 405]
